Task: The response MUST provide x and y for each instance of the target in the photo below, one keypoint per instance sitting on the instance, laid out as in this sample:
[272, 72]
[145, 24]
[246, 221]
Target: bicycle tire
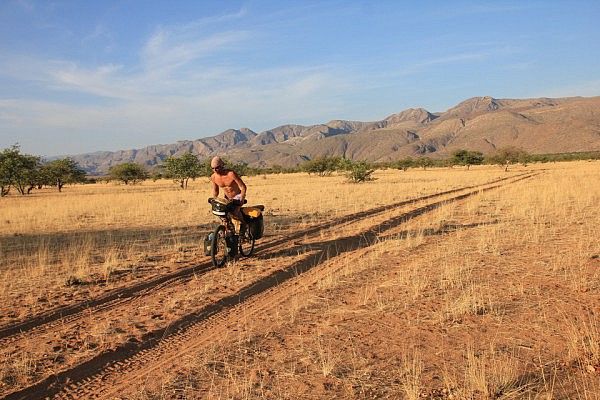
[218, 247]
[246, 245]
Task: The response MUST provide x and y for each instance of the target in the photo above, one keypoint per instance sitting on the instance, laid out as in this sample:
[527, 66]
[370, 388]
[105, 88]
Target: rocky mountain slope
[540, 125]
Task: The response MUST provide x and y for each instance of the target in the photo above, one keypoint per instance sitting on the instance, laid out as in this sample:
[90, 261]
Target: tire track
[109, 373]
[71, 313]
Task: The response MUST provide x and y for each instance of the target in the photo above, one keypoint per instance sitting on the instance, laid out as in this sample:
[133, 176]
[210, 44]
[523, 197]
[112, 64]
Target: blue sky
[82, 76]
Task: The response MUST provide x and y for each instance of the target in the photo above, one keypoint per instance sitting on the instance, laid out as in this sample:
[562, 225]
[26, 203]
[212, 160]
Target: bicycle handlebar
[211, 199]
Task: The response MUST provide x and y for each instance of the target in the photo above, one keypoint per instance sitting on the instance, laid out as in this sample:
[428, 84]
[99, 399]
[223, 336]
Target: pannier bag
[254, 219]
[232, 244]
[207, 244]
[257, 227]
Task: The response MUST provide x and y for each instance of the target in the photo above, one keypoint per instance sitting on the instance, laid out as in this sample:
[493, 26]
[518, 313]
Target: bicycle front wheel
[218, 247]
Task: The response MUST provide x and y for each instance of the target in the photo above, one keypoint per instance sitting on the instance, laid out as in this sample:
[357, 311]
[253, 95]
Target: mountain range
[540, 125]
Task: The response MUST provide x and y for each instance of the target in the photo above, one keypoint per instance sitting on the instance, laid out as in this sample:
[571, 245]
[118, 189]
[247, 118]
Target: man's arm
[241, 185]
[215, 188]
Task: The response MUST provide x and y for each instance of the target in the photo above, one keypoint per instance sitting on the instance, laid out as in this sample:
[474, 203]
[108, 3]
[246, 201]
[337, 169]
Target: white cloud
[165, 52]
[102, 81]
[175, 91]
[256, 99]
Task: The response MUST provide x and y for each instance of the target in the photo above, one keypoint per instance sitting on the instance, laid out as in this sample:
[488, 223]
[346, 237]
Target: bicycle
[223, 243]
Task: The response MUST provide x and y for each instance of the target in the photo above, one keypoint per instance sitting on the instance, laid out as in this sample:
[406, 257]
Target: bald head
[216, 162]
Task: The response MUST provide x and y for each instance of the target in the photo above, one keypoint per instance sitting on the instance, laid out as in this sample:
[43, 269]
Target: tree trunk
[4, 190]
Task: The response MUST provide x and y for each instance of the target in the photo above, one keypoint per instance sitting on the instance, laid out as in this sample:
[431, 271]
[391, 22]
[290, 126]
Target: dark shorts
[235, 202]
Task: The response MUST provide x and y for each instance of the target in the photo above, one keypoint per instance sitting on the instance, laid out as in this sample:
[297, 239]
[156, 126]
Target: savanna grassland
[440, 284]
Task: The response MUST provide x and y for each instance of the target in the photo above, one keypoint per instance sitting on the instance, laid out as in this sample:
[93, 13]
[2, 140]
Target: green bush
[181, 169]
[509, 155]
[127, 173]
[360, 171]
[323, 166]
[467, 158]
[21, 171]
[60, 172]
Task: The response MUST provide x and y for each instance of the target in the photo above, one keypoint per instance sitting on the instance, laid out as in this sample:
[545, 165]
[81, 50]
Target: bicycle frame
[225, 241]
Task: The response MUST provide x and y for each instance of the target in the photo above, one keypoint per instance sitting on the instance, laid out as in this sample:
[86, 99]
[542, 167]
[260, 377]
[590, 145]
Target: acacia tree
[20, 171]
[424, 162]
[509, 155]
[7, 168]
[322, 166]
[63, 171]
[181, 169]
[127, 173]
[359, 171]
[467, 158]
[404, 163]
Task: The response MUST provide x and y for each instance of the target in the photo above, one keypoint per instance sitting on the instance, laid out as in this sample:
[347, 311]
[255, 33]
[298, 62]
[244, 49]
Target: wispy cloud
[212, 20]
[166, 51]
[425, 64]
[152, 119]
[175, 88]
[163, 54]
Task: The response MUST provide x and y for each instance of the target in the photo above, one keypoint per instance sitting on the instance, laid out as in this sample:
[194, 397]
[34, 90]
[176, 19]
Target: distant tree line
[25, 172]
[503, 157]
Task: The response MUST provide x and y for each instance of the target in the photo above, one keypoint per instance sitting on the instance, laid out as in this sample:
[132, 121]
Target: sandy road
[107, 374]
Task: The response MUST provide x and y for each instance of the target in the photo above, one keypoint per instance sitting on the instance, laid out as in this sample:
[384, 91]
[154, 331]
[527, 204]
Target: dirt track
[283, 267]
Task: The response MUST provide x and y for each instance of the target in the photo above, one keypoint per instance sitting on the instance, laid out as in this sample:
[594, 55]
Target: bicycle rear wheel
[246, 243]
[218, 248]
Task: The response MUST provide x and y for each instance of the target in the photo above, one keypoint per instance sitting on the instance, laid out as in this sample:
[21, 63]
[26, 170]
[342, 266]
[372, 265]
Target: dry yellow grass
[89, 232]
[162, 204]
[513, 284]
[518, 262]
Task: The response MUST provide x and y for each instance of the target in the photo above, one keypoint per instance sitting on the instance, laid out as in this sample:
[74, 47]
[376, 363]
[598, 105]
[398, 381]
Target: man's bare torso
[226, 181]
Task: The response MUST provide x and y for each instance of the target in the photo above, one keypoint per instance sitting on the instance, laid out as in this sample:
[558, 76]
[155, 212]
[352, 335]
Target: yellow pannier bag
[254, 217]
[253, 212]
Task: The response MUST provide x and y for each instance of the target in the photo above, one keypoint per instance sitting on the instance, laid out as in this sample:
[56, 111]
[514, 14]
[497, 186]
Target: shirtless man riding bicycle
[231, 183]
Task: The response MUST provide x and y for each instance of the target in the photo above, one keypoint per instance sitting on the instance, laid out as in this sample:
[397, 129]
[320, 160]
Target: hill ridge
[538, 125]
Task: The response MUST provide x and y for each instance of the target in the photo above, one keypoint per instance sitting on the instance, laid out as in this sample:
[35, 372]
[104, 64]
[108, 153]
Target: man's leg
[237, 214]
